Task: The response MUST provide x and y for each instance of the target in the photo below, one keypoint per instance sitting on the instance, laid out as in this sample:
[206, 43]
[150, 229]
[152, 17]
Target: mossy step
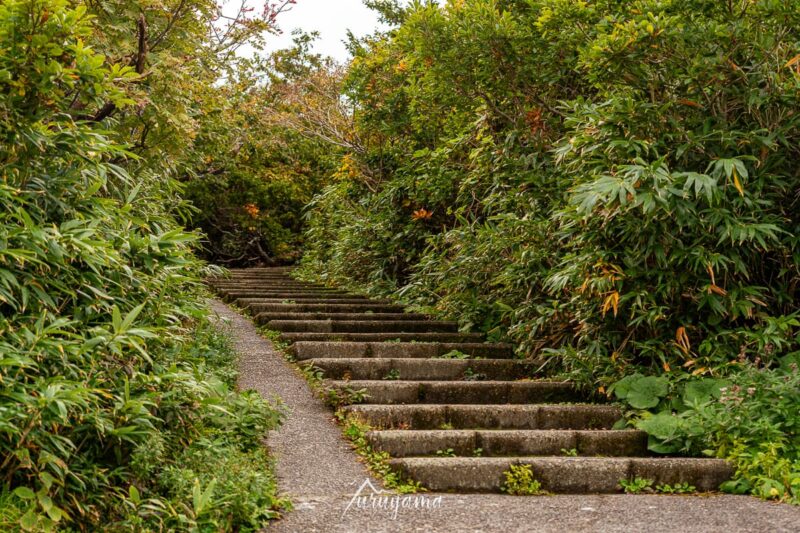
[423, 369]
[383, 337]
[399, 350]
[257, 307]
[297, 296]
[461, 392]
[263, 318]
[499, 416]
[563, 475]
[500, 443]
[244, 301]
[366, 325]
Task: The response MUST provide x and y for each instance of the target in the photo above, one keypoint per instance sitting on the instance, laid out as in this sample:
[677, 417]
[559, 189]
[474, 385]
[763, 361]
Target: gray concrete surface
[317, 469]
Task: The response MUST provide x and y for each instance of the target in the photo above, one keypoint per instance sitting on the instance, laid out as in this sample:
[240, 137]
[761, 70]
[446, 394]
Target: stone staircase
[454, 412]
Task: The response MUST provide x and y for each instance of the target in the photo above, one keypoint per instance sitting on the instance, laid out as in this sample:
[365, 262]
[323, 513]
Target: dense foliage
[118, 407]
[611, 184]
[251, 176]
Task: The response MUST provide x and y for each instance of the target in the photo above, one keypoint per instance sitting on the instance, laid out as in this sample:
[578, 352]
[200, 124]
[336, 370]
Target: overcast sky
[331, 18]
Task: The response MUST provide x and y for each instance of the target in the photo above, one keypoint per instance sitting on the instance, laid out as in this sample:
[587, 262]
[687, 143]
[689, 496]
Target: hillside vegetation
[610, 184]
[118, 408]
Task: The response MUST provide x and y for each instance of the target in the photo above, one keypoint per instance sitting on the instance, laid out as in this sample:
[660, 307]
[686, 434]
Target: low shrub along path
[457, 423]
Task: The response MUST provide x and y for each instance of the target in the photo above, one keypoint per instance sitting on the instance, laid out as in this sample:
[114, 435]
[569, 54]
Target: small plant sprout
[519, 481]
[392, 375]
[636, 485]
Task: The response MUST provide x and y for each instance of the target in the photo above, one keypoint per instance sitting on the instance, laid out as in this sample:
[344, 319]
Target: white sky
[331, 18]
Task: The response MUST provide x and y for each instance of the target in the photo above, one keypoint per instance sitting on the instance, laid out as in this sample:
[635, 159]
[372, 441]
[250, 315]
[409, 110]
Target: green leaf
[622, 387]
[29, 520]
[646, 392]
[662, 425]
[25, 493]
[703, 390]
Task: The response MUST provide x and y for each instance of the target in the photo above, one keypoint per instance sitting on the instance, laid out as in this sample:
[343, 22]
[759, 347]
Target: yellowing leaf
[717, 290]
[793, 61]
[737, 183]
[682, 339]
[611, 302]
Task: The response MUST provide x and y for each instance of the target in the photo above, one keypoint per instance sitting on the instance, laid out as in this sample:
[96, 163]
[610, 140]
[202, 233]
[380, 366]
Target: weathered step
[366, 325]
[566, 475]
[286, 282]
[278, 291]
[383, 337]
[277, 288]
[509, 416]
[504, 443]
[320, 300]
[423, 369]
[299, 296]
[263, 318]
[397, 350]
[461, 392]
[362, 307]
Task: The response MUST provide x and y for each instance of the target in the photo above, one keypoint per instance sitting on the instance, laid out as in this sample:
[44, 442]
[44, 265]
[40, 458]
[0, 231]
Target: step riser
[562, 475]
[304, 301]
[289, 296]
[487, 417]
[370, 350]
[276, 288]
[494, 443]
[398, 392]
[381, 337]
[362, 326]
[366, 307]
[263, 318]
[421, 369]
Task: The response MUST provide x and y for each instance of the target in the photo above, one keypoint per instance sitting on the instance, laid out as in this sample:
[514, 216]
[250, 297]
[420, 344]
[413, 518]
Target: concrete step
[383, 337]
[280, 296]
[564, 475]
[423, 369]
[304, 307]
[461, 392]
[263, 318]
[398, 350]
[508, 416]
[276, 288]
[499, 443]
[320, 300]
[366, 325]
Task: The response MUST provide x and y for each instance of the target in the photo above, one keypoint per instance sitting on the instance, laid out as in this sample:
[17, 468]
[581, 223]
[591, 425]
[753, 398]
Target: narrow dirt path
[317, 469]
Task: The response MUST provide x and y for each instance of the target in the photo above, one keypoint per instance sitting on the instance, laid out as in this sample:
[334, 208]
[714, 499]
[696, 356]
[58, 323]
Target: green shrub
[609, 184]
[750, 419]
[104, 376]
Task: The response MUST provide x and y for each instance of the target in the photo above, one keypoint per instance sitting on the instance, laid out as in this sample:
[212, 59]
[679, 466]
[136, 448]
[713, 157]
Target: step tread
[517, 442]
[575, 475]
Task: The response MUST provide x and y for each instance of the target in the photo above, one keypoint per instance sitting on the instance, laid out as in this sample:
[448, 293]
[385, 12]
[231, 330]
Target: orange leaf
[611, 302]
[422, 214]
[684, 101]
[793, 61]
[710, 269]
[682, 339]
[717, 290]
